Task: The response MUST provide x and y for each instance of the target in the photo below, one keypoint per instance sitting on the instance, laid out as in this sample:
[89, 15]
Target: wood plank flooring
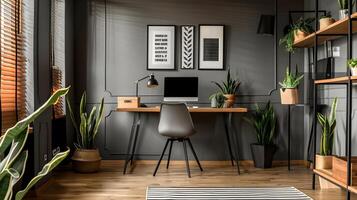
[110, 183]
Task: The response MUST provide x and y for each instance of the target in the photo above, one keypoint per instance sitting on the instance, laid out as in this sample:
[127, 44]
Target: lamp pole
[137, 85]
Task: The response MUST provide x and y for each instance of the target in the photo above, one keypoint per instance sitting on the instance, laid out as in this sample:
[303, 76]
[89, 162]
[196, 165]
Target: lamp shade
[266, 25]
[152, 82]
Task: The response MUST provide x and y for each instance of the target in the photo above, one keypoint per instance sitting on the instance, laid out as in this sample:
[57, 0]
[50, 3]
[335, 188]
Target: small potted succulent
[228, 89]
[297, 31]
[328, 125]
[86, 157]
[343, 8]
[264, 122]
[326, 20]
[217, 100]
[288, 92]
[352, 63]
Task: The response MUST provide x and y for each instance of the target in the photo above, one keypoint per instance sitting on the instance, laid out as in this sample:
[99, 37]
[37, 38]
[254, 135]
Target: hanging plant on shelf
[288, 92]
[343, 4]
[295, 32]
[352, 64]
[326, 20]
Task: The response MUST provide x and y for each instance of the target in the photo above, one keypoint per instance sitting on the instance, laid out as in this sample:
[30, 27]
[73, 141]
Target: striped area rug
[222, 193]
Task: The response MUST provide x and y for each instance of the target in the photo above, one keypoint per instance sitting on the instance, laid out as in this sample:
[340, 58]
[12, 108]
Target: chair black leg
[186, 158]
[162, 155]
[168, 159]
[194, 154]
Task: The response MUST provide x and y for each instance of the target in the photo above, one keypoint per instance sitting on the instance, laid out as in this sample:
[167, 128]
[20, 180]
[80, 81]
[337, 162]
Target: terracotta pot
[325, 22]
[229, 102]
[289, 96]
[353, 71]
[299, 35]
[86, 160]
[323, 162]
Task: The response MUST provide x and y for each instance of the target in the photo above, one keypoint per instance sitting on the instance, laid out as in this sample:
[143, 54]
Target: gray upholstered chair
[176, 124]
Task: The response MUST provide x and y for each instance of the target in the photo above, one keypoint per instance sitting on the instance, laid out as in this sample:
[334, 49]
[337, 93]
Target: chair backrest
[175, 120]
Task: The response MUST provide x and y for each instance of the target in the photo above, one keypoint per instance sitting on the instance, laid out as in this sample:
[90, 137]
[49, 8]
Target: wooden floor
[110, 183]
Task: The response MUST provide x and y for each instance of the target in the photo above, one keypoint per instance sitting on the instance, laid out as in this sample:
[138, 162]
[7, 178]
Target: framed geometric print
[211, 47]
[187, 46]
[161, 48]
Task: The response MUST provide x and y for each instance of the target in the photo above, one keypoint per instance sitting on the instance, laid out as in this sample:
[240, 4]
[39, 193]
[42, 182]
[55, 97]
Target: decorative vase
[86, 160]
[230, 100]
[325, 22]
[214, 102]
[353, 71]
[263, 155]
[343, 14]
[289, 96]
[299, 35]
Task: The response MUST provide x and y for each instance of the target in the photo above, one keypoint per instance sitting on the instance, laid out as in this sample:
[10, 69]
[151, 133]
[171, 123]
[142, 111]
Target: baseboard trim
[248, 163]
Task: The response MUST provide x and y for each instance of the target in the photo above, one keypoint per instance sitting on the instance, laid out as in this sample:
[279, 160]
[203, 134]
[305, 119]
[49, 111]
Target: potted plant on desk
[86, 158]
[264, 122]
[229, 89]
[328, 125]
[217, 100]
[288, 92]
[344, 8]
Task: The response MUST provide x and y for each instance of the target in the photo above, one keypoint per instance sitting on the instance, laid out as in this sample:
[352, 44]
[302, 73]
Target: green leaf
[56, 160]
[20, 126]
[83, 131]
[82, 106]
[98, 118]
[5, 189]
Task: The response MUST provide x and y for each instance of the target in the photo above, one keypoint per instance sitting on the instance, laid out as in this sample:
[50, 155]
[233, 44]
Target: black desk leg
[134, 130]
[234, 138]
[137, 128]
[226, 122]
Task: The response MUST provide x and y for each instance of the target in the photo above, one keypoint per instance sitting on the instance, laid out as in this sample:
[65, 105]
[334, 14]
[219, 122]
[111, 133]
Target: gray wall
[110, 69]
[327, 93]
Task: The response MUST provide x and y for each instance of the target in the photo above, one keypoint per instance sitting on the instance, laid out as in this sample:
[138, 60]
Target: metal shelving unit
[341, 28]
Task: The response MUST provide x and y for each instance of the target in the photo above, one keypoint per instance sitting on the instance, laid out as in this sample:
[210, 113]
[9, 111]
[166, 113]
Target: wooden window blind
[12, 60]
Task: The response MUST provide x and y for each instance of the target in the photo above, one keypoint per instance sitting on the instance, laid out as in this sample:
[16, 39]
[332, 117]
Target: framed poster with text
[161, 47]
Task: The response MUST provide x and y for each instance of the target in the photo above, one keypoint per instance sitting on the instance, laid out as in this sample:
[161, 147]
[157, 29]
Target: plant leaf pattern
[187, 47]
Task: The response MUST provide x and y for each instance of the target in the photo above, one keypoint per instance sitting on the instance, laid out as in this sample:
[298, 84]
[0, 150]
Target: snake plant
[291, 80]
[13, 157]
[344, 4]
[88, 123]
[264, 122]
[328, 125]
[230, 86]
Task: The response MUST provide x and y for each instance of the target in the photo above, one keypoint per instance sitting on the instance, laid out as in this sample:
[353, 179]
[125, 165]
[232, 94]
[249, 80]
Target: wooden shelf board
[342, 79]
[339, 27]
[327, 174]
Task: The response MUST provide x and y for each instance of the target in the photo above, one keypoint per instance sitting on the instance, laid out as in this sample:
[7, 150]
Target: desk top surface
[156, 109]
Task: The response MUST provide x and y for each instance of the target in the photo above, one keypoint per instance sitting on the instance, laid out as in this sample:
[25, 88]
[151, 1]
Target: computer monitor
[181, 89]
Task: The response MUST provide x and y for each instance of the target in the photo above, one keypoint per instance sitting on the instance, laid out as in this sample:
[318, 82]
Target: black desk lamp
[152, 82]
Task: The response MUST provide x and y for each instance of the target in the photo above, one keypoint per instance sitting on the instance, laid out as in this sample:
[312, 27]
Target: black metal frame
[230, 135]
[348, 85]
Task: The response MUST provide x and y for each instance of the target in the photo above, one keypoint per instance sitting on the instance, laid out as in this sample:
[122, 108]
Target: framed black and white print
[211, 47]
[187, 46]
[161, 47]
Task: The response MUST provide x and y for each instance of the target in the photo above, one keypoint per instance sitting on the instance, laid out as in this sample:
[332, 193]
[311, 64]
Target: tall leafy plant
[88, 125]
[328, 125]
[13, 157]
[230, 86]
[264, 122]
[291, 80]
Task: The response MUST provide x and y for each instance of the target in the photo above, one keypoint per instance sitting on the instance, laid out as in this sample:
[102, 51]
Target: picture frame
[161, 47]
[211, 47]
[188, 50]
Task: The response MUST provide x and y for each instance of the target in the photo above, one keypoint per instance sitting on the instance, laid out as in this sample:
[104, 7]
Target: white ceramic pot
[353, 71]
[343, 13]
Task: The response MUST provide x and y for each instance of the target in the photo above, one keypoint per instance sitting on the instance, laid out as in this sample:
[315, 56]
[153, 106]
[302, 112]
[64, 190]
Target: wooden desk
[227, 114]
[191, 109]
